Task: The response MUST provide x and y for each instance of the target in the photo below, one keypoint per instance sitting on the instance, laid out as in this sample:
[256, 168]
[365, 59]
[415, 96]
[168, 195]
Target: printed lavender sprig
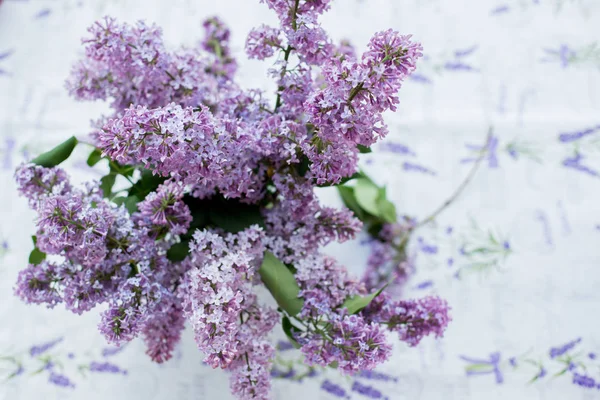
[581, 368]
[515, 148]
[582, 147]
[4, 55]
[529, 5]
[391, 262]
[4, 247]
[459, 60]
[60, 368]
[369, 384]
[483, 250]
[567, 56]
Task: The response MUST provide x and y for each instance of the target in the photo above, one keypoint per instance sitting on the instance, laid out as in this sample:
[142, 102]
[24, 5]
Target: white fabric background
[543, 294]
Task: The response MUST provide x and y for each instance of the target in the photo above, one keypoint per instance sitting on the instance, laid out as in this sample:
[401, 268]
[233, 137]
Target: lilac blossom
[35, 182]
[164, 210]
[189, 138]
[411, 319]
[262, 42]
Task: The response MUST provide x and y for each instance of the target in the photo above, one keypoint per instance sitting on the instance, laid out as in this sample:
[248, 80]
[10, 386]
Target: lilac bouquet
[209, 200]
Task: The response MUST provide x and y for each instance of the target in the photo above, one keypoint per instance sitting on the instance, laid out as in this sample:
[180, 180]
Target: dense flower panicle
[354, 344]
[386, 265]
[71, 224]
[163, 138]
[310, 40]
[345, 50]
[216, 41]
[180, 115]
[38, 284]
[122, 63]
[348, 111]
[324, 284]
[411, 319]
[251, 379]
[35, 182]
[164, 210]
[162, 331]
[262, 42]
[389, 261]
[130, 309]
[130, 65]
[218, 288]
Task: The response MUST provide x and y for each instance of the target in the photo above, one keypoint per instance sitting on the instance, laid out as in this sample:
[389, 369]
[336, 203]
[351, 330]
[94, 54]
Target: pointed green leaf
[147, 183]
[289, 330]
[366, 194]
[387, 210]
[363, 149]
[130, 202]
[347, 195]
[57, 155]
[355, 304]
[106, 184]
[94, 158]
[179, 251]
[236, 216]
[36, 256]
[281, 283]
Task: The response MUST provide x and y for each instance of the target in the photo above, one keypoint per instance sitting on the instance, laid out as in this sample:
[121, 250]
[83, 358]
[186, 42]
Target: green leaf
[363, 149]
[106, 184]
[94, 158]
[147, 183]
[57, 155]
[347, 195]
[130, 202]
[289, 330]
[479, 367]
[36, 256]
[303, 166]
[355, 304]
[232, 215]
[236, 219]
[387, 210]
[366, 193]
[281, 283]
[178, 251]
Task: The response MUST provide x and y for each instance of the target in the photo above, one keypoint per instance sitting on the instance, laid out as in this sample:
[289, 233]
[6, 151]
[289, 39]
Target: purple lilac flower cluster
[222, 198]
[389, 261]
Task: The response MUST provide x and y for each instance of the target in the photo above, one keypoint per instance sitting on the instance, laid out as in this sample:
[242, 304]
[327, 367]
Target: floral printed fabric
[516, 256]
